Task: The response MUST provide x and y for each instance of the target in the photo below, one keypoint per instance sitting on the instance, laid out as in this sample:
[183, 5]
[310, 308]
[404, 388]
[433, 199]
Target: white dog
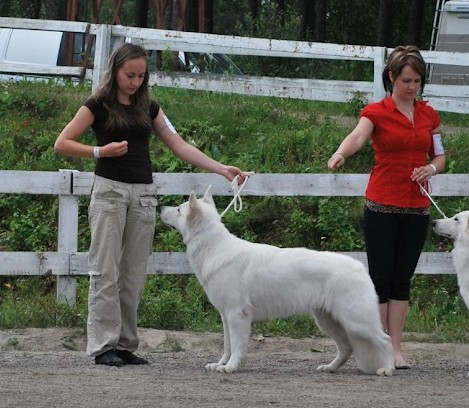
[247, 282]
[457, 228]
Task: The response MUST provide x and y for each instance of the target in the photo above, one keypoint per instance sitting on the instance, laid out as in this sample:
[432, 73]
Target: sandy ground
[48, 368]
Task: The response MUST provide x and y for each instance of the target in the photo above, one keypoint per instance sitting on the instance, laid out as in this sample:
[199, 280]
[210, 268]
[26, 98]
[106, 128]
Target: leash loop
[236, 202]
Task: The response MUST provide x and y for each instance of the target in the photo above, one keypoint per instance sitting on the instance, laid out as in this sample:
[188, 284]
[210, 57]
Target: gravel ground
[48, 368]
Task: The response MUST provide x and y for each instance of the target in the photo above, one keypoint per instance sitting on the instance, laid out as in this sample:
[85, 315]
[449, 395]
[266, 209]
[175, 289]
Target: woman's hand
[337, 160]
[230, 172]
[423, 173]
[114, 149]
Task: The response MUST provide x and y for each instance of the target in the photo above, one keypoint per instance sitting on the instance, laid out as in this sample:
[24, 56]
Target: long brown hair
[107, 91]
[400, 57]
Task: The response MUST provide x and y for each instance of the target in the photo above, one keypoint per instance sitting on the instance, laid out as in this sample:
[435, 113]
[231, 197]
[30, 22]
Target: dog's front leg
[239, 330]
[226, 347]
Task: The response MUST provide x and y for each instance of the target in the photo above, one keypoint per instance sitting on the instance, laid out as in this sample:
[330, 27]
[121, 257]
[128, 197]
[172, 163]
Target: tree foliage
[359, 22]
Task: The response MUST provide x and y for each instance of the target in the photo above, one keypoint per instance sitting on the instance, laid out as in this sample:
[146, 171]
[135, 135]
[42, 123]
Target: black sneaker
[109, 358]
[130, 358]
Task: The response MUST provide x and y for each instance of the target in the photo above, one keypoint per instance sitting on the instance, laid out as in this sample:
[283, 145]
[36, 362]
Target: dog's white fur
[457, 228]
[247, 282]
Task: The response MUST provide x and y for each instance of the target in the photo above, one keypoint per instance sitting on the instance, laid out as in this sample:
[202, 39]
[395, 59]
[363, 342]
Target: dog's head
[189, 217]
[456, 227]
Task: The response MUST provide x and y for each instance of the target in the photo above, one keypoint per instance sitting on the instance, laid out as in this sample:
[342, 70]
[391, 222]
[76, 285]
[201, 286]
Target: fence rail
[450, 98]
[70, 185]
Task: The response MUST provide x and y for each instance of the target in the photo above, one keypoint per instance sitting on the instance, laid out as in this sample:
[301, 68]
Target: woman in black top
[123, 201]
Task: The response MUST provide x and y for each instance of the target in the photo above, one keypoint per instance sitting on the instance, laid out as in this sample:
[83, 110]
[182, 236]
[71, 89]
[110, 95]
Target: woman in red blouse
[404, 133]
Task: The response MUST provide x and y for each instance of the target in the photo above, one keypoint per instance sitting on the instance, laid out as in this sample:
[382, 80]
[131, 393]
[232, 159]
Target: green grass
[261, 134]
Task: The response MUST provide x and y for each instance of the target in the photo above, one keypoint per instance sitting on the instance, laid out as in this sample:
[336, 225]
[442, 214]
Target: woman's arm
[185, 151]
[352, 143]
[436, 163]
[68, 145]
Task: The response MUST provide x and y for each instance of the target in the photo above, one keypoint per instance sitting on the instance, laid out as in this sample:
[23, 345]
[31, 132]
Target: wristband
[433, 167]
[96, 152]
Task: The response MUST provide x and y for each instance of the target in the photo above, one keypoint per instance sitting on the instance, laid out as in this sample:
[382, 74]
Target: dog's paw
[226, 369]
[326, 368]
[385, 371]
[220, 368]
[212, 366]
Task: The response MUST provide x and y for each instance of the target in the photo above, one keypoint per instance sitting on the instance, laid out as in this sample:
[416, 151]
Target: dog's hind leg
[335, 331]
[371, 345]
[373, 352]
[226, 347]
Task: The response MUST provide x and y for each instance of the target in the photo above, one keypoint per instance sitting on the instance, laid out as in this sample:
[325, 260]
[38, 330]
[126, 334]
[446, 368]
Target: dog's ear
[192, 200]
[208, 191]
[208, 196]
[193, 206]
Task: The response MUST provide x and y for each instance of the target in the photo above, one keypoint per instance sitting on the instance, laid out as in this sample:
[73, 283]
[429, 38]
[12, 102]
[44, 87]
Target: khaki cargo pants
[122, 221]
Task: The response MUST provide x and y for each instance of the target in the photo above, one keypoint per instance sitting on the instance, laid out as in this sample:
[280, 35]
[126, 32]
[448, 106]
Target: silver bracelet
[96, 152]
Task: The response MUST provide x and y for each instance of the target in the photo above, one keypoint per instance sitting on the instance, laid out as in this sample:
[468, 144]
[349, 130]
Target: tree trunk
[172, 15]
[281, 11]
[415, 22]
[384, 34]
[192, 14]
[307, 22]
[141, 13]
[254, 10]
[159, 7]
[181, 15]
[319, 31]
[209, 16]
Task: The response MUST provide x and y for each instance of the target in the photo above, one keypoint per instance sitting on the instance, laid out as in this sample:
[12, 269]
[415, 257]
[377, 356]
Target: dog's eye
[179, 210]
[456, 219]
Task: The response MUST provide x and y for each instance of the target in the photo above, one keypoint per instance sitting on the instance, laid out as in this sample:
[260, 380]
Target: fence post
[379, 63]
[101, 55]
[67, 240]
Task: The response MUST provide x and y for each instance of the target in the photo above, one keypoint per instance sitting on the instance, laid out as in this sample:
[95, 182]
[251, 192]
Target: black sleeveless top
[135, 165]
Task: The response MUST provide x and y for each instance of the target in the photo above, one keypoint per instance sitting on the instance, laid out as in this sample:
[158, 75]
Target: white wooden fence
[451, 98]
[69, 185]
[67, 263]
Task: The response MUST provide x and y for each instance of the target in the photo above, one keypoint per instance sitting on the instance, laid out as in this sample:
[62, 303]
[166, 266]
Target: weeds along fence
[66, 264]
[450, 98]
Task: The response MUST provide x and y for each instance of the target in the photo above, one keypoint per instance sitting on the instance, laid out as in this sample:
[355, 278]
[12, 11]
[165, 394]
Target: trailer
[453, 35]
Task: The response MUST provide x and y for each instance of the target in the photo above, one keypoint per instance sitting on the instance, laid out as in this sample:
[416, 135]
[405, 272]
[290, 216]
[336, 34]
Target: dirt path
[48, 368]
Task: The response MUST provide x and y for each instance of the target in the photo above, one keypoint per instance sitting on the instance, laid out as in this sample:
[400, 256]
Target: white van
[453, 35]
[29, 46]
[34, 48]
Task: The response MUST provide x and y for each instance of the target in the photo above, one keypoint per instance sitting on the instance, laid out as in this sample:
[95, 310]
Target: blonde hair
[107, 91]
[401, 57]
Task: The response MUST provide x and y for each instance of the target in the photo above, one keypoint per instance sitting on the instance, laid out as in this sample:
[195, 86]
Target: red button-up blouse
[399, 146]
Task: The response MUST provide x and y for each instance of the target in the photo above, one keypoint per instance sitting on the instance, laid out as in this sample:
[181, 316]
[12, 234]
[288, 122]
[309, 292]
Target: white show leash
[236, 202]
[422, 189]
